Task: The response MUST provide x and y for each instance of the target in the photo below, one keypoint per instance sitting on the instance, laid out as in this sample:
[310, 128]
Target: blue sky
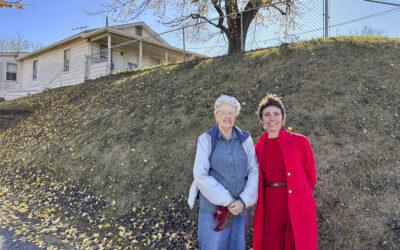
[47, 21]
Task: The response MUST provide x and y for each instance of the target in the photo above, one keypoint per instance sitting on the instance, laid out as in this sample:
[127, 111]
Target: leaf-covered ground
[107, 164]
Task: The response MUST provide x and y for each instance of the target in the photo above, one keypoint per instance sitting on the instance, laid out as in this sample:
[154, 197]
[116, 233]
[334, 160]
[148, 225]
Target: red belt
[276, 184]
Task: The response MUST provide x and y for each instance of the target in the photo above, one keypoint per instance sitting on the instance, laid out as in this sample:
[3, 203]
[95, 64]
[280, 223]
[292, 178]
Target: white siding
[50, 66]
[119, 58]
[131, 57]
[98, 70]
[176, 57]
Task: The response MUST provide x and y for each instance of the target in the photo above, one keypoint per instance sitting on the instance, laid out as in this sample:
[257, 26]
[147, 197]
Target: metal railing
[19, 91]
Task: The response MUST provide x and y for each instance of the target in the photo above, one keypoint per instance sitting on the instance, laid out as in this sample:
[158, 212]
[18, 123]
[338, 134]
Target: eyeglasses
[226, 114]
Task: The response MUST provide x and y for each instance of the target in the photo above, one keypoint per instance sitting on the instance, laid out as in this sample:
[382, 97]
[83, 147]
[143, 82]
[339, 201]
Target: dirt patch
[9, 117]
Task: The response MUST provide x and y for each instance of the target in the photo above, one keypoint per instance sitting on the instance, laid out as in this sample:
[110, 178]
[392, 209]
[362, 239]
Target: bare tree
[234, 16]
[17, 43]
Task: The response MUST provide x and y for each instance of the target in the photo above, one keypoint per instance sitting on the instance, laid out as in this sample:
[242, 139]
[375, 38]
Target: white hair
[229, 100]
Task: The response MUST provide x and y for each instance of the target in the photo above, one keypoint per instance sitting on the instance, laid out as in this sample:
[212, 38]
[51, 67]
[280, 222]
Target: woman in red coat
[285, 216]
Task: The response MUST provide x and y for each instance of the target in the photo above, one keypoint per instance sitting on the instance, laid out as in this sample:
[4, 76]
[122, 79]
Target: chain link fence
[308, 19]
[311, 19]
[361, 17]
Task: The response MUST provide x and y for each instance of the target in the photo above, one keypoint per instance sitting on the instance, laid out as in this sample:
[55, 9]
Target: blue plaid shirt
[228, 165]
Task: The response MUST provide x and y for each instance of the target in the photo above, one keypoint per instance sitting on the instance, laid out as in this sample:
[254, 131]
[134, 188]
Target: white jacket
[211, 188]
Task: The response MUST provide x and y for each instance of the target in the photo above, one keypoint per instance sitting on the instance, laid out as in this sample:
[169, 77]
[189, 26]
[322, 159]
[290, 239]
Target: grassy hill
[109, 162]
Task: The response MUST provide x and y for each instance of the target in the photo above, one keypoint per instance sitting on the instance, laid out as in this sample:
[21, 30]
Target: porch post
[87, 61]
[166, 57]
[140, 54]
[109, 61]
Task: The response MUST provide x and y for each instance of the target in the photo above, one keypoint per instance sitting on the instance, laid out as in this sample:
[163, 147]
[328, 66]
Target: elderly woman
[285, 216]
[226, 174]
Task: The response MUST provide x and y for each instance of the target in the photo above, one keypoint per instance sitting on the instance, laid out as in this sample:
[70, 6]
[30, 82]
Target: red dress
[299, 164]
[278, 230]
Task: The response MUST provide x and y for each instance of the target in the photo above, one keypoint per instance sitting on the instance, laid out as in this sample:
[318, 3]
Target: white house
[87, 55]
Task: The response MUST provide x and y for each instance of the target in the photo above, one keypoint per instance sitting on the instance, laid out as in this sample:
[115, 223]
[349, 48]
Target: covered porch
[111, 52]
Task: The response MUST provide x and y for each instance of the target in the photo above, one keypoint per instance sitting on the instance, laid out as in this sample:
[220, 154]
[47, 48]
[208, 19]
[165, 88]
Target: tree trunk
[233, 33]
[235, 43]
[238, 23]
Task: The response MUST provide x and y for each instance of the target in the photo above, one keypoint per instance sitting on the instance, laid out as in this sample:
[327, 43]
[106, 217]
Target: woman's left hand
[236, 207]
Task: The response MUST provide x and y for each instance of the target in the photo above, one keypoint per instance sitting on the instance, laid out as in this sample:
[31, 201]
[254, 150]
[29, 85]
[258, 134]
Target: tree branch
[217, 6]
[177, 21]
[198, 16]
[280, 10]
[253, 6]
[134, 11]
[110, 7]
[10, 4]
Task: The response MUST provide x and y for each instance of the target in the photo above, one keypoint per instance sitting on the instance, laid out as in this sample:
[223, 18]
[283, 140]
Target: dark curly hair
[271, 100]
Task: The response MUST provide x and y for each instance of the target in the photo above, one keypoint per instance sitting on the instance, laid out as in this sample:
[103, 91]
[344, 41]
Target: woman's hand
[236, 207]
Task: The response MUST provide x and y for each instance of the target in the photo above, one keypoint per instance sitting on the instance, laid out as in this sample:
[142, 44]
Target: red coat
[300, 174]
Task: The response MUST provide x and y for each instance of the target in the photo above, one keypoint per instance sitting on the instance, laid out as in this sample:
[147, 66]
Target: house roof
[150, 30]
[12, 53]
[56, 44]
[89, 33]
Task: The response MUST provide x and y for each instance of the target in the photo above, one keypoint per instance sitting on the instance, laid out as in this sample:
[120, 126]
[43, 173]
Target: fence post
[241, 33]
[326, 18]
[184, 44]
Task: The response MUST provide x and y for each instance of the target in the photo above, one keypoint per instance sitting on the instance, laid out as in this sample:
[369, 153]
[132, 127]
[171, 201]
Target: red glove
[223, 218]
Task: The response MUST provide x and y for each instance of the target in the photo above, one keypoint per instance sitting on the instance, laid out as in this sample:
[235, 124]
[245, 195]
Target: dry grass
[130, 137]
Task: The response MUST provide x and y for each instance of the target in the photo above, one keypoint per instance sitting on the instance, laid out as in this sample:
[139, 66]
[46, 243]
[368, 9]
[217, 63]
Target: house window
[34, 69]
[66, 60]
[11, 72]
[103, 52]
[139, 31]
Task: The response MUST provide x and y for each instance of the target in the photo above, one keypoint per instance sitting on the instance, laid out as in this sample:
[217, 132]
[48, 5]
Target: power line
[387, 3]
[365, 17]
